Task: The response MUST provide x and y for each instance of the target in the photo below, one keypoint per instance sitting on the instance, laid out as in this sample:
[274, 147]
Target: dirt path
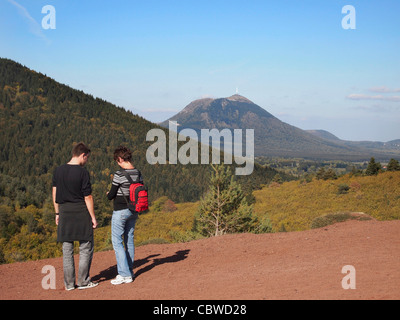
[296, 265]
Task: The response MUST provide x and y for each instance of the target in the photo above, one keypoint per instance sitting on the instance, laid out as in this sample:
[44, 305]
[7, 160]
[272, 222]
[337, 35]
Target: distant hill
[323, 134]
[376, 147]
[272, 136]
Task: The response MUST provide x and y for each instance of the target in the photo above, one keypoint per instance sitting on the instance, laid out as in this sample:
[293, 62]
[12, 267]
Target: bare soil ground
[296, 265]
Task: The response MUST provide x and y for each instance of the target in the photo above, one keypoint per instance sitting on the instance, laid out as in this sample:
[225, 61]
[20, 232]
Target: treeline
[303, 168]
[373, 168]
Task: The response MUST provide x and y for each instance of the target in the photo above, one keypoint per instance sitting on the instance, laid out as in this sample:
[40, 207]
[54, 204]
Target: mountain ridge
[273, 137]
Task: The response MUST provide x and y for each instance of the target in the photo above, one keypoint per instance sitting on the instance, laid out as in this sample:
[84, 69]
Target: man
[75, 218]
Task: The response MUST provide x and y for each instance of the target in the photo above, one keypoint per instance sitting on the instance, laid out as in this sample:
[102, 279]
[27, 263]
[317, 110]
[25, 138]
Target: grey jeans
[86, 249]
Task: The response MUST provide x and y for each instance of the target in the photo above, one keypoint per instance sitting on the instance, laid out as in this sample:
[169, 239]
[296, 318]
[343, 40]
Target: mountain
[273, 137]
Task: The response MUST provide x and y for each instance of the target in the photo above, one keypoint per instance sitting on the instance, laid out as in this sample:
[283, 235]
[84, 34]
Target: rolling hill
[374, 147]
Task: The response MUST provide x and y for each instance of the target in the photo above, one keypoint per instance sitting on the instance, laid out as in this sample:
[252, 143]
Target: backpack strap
[130, 181]
[129, 177]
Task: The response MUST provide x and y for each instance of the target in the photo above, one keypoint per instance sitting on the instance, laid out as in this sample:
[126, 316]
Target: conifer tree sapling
[224, 209]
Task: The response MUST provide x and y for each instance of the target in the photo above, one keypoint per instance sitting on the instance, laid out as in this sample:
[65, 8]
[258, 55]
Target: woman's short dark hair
[123, 152]
[80, 148]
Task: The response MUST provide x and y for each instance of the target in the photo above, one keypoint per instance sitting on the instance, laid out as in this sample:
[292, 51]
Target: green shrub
[333, 218]
[343, 188]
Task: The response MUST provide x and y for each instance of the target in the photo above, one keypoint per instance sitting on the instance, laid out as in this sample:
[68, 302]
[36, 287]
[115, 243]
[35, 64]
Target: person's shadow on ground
[112, 272]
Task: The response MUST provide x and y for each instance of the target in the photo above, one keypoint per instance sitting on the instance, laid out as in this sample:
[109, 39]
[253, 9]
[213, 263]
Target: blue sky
[293, 58]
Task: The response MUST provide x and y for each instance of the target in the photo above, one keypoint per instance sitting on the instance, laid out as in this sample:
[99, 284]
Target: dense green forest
[41, 119]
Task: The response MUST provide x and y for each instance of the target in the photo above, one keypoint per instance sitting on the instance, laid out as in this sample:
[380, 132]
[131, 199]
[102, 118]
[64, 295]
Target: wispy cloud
[375, 97]
[34, 26]
[383, 89]
[374, 108]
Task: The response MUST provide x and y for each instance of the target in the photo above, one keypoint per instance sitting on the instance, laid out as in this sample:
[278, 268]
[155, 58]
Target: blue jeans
[122, 231]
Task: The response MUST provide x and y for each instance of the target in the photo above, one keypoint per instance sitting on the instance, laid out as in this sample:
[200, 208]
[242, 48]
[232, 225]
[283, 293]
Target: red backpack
[138, 195]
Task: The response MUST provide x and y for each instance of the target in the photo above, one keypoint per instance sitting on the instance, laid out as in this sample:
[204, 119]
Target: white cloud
[375, 97]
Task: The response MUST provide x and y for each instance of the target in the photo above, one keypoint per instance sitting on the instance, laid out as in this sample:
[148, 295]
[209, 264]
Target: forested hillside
[41, 119]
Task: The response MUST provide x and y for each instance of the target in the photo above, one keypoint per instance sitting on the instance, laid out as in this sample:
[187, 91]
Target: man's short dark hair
[80, 148]
[123, 152]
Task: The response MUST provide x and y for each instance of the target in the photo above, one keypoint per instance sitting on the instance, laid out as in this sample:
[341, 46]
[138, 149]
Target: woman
[123, 220]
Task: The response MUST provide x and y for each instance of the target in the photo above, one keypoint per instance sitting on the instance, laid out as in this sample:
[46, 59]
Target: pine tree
[393, 165]
[224, 209]
[373, 167]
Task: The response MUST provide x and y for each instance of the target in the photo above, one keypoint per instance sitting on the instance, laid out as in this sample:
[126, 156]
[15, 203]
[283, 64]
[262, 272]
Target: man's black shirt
[72, 183]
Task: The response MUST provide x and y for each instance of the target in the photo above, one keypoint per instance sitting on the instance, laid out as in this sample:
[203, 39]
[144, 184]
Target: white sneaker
[88, 286]
[120, 280]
